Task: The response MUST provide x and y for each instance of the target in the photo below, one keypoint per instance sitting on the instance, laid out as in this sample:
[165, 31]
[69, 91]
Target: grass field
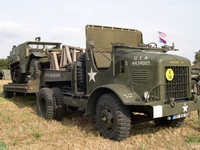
[22, 129]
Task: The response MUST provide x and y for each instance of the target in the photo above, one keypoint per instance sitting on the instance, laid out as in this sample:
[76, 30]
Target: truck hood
[149, 58]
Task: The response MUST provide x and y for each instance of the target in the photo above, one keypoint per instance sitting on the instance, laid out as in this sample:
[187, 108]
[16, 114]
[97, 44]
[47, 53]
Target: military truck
[28, 59]
[120, 80]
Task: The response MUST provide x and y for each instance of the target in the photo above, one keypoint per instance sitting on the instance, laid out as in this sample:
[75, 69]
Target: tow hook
[195, 97]
[172, 102]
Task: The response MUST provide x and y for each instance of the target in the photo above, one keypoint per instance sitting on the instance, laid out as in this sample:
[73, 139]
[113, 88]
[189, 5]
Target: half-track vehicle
[28, 59]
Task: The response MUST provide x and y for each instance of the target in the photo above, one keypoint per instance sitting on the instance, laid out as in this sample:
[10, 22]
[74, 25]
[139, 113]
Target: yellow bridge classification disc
[169, 74]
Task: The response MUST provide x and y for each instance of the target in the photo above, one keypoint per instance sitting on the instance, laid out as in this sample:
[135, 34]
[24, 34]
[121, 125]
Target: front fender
[125, 95]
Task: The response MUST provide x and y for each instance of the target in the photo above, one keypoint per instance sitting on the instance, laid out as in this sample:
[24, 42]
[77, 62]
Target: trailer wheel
[170, 123]
[60, 108]
[81, 75]
[7, 94]
[35, 69]
[45, 105]
[112, 117]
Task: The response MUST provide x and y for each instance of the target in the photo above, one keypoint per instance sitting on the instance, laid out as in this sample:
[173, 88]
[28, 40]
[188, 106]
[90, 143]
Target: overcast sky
[64, 21]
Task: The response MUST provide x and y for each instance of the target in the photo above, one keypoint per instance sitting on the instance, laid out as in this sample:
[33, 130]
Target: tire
[15, 74]
[19, 94]
[45, 104]
[170, 123]
[81, 75]
[72, 108]
[112, 117]
[35, 69]
[60, 108]
[7, 94]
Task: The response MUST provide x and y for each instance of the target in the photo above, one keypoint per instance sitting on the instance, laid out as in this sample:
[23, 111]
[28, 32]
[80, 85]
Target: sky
[65, 20]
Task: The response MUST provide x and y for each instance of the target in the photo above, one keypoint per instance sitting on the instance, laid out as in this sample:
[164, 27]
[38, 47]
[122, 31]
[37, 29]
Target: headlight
[146, 95]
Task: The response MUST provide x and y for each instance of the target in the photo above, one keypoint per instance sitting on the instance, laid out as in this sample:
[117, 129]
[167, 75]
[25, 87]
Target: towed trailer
[31, 87]
[56, 59]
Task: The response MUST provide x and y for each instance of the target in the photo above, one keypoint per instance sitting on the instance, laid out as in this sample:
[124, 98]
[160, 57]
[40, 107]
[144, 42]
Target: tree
[197, 57]
[3, 64]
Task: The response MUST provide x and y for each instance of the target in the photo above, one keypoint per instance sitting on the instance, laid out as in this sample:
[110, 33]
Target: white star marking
[185, 108]
[92, 74]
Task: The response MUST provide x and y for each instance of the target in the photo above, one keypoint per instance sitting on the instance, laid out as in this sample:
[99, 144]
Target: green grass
[193, 139]
[3, 146]
[37, 135]
[2, 99]
[15, 143]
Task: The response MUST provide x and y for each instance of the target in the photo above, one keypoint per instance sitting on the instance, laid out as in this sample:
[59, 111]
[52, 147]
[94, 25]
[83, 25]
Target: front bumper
[182, 107]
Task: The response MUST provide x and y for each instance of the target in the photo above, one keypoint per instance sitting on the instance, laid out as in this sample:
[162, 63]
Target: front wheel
[112, 117]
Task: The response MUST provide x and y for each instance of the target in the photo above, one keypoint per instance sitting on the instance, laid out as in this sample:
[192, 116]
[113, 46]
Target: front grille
[178, 87]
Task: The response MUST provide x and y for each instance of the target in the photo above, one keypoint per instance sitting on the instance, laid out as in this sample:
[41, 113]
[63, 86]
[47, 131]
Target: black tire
[72, 108]
[112, 117]
[7, 94]
[45, 104]
[60, 108]
[169, 123]
[16, 74]
[81, 75]
[35, 69]
[19, 94]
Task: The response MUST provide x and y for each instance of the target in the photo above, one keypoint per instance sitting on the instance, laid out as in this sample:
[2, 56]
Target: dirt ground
[2, 82]
[22, 129]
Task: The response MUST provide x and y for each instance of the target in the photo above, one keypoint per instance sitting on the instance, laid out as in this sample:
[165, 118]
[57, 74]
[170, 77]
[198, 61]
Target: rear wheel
[7, 94]
[45, 104]
[60, 108]
[72, 108]
[112, 117]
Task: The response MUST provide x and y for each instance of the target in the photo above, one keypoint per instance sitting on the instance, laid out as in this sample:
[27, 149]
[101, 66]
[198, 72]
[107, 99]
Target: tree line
[196, 57]
[3, 64]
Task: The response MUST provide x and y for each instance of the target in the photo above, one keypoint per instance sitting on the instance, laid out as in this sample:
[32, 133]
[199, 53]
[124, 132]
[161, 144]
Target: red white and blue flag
[162, 37]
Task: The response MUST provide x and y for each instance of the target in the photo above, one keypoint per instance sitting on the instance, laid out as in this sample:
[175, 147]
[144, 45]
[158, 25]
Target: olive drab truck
[120, 80]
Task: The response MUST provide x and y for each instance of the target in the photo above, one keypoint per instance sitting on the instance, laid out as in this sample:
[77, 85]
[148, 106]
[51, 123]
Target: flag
[162, 37]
